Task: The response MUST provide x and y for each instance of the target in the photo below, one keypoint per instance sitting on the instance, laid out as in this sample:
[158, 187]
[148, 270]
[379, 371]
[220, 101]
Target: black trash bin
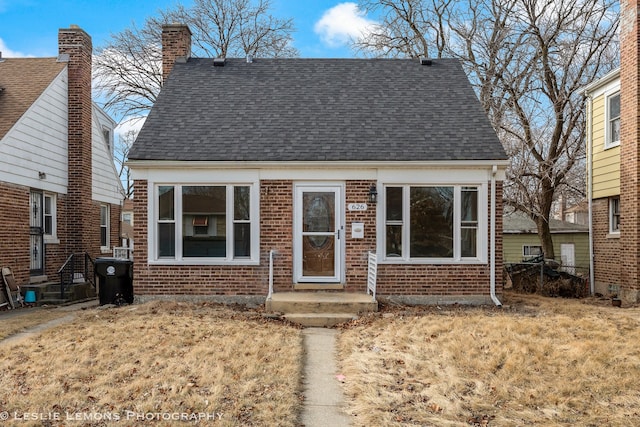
[115, 280]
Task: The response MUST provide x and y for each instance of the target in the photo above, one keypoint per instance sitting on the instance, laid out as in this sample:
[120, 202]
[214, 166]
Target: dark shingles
[317, 109]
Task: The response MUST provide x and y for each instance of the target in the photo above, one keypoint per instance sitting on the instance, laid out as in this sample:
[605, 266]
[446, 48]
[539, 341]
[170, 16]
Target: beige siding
[606, 162]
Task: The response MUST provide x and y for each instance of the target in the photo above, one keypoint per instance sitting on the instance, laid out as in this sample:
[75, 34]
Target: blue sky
[30, 27]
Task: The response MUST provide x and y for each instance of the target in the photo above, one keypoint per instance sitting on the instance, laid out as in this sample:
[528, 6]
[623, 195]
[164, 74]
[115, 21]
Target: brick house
[321, 161]
[613, 155]
[603, 186]
[59, 190]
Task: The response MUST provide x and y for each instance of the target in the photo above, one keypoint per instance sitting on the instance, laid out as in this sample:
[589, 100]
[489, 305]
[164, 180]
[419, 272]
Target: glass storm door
[318, 244]
[36, 232]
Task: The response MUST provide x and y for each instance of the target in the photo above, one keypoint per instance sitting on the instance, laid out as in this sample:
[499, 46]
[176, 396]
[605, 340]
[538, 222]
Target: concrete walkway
[35, 330]
[322, 392]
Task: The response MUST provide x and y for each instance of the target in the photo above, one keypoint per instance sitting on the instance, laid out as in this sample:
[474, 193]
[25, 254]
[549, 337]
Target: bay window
[205, 222]
[429, 222]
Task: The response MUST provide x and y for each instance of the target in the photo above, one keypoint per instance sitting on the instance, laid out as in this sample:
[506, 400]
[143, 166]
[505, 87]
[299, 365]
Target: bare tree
[127, 72]
[529, 60]
[408, 28]
[235, 28]
[120, 154]
[128, 69]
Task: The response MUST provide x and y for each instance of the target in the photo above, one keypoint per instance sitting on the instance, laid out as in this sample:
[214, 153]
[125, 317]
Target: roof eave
[170, 164]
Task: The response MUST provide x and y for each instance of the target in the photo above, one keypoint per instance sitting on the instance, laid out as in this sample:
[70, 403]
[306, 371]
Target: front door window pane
[431, 222]
[318, 234]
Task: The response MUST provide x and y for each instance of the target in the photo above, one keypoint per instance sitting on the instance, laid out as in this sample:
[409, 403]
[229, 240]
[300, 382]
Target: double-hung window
[104, 226]
[432, 223]
[613, 121]
[49, 220]
[614, 215]
[206, 223]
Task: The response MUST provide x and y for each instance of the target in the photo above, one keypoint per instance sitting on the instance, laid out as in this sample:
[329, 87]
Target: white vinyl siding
[38, 142]
[107, 187]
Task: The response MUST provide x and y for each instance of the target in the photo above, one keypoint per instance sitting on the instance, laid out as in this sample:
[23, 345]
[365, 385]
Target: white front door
[318, 239]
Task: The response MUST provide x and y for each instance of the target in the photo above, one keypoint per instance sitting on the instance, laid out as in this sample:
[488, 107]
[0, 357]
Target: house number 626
[357, 206]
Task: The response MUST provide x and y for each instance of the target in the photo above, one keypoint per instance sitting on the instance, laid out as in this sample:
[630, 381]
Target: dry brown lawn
[157, 363]
[11, 324]
[538, 361]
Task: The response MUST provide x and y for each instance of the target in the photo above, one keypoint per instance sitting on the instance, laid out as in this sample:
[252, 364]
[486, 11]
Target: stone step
[320, 302]
[49, 293]
[319, 320]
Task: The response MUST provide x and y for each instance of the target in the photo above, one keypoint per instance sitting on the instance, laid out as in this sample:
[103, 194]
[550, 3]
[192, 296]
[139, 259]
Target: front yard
[159, 363]
[537, 361]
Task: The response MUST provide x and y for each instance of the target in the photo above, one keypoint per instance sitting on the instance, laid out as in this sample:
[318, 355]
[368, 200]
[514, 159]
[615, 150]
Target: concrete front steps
[48, 293]
[320, 309]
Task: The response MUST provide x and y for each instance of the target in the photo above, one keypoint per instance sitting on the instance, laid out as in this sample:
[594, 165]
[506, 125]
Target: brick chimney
[176, 43]
[629, 152]
[74, 46]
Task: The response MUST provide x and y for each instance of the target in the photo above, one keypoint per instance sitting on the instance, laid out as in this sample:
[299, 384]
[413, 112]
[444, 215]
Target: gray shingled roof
[517, 222]
[317, 110]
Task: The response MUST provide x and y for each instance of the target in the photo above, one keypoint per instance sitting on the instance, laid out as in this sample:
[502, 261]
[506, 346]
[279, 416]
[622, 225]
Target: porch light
[373, 194]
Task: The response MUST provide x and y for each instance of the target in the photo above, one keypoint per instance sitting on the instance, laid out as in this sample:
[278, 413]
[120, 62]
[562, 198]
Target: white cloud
[8, 53]
[130, 125]
[342, 23]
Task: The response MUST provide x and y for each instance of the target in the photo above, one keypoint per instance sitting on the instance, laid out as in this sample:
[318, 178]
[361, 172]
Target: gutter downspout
[492, 261]
[592, 275]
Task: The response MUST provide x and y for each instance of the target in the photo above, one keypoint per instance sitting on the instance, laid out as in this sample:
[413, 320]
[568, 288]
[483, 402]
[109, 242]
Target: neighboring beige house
[603, 186]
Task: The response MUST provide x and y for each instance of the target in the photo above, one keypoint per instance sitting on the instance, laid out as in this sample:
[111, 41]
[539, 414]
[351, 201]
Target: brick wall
[176, 43]
[629, 156]
[607, 265]
[14, 229]
[276, 229]
[75, 43]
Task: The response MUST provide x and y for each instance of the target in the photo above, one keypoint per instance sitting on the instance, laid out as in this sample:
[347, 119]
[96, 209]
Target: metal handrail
[66, 271]
[76, 263]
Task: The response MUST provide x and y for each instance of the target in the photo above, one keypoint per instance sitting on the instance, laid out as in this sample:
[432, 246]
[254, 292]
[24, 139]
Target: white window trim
[106, 248]
[612, 232]
[608, 143]
[482, 233]
[152, 228]
[51, 239]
